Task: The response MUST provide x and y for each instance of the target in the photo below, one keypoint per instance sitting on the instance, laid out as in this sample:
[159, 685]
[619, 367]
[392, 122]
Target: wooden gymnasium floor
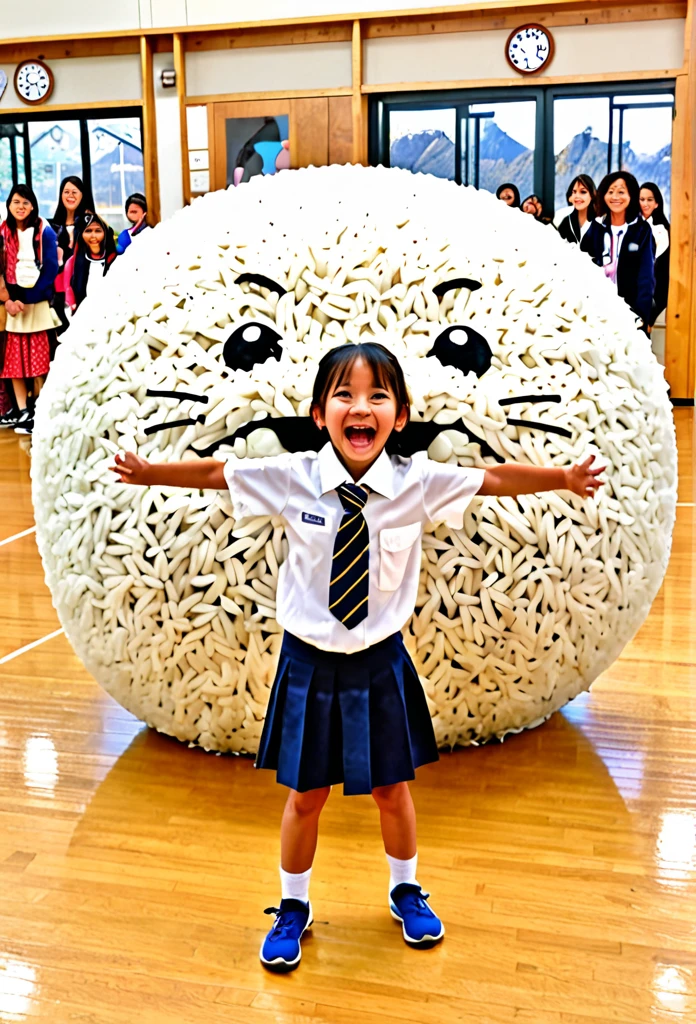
[135, 871]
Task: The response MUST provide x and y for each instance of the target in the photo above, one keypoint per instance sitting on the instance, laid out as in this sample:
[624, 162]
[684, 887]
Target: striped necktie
[350, 568]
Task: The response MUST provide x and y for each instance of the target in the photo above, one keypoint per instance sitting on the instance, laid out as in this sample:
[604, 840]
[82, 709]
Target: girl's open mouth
[360, 437]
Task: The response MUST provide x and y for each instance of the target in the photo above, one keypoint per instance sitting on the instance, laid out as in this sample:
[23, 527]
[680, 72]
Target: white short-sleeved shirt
[404, 495]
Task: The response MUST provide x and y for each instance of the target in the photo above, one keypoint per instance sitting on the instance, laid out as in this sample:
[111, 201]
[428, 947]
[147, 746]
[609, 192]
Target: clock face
[529, 49]
[33, 81]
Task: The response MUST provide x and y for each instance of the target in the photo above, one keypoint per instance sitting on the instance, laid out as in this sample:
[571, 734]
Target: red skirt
[26, 355]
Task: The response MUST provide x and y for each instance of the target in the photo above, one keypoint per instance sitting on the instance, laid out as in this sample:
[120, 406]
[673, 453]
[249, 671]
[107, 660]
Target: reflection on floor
[135, 870]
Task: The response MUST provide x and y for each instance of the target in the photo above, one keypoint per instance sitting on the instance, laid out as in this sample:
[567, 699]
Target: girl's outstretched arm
[196, 474]
[512, 479]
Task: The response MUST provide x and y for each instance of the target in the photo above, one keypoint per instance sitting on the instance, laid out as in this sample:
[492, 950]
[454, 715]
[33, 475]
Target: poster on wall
[256, 145]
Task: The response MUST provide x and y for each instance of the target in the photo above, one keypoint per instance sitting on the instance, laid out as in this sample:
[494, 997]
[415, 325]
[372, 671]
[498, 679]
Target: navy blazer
[635, 273]
[43, 289]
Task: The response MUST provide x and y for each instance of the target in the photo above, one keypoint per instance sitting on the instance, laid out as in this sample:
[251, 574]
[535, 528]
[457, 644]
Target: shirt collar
[332, 473]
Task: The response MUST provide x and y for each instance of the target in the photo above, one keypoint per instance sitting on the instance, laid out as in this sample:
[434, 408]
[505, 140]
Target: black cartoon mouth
[252, 343]
[301, 434]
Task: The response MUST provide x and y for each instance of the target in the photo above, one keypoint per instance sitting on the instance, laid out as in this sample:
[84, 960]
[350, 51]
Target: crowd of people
[622, 227]
[47, 269]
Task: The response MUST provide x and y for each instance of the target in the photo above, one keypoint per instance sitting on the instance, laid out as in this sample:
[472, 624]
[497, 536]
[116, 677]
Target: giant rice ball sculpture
[514, 347]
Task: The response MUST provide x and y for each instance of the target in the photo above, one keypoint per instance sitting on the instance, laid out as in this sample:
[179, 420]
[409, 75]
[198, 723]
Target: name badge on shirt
[308, 517]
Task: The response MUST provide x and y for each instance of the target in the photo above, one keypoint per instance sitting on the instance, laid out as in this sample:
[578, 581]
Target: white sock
[295, 887]
[402, 870]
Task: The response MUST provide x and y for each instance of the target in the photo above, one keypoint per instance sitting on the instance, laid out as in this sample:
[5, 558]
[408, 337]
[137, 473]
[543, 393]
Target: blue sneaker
[421, 927]
[281, 950]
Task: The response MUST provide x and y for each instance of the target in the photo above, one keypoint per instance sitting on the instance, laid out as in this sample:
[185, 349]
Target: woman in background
[95, 251]
[508, 194]
[652, 207]
[581, 196]
[74, 201]
[621, 242]
[136, 213]
[534, 206]
[31, 265]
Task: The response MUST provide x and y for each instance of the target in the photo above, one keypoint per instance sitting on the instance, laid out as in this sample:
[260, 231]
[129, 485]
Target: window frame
[380, 106]
[80, 116]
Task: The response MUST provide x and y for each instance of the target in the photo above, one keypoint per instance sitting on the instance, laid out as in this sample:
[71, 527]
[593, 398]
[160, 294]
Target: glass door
[595, 130]
[478, 137]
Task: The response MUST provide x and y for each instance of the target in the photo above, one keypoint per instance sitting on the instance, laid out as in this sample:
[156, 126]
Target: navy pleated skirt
[360, 719]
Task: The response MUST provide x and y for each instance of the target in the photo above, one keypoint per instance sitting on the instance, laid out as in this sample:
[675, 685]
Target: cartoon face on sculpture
[209, 332]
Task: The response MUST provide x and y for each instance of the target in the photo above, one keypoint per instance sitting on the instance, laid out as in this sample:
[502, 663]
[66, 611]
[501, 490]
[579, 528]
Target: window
[597, 134]
[539, 137]
[480, 138]
[105, 150]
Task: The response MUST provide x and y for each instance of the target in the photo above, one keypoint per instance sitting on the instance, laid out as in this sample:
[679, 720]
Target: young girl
[508, 194]
[652, 208]
[31, 264]
[621, 242]
[136, 213]
[74, 202]
[580, 195]
[347, 705]
[95, 251]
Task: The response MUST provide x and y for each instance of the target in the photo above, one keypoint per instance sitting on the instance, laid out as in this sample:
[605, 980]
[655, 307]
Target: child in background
[95, 251]
[136, 212]
[31, 265]
[347, 705]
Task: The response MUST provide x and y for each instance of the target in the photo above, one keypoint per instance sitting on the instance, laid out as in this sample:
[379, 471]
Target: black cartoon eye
[251, 344]
[463, 348]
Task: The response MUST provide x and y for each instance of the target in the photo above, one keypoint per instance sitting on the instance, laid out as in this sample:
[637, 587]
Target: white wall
[580, 50]
[268, 68]
[40, 18]
[168, 139]
[84, 79]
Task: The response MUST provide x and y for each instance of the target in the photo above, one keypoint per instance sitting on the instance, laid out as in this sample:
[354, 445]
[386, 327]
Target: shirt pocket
[395, 548]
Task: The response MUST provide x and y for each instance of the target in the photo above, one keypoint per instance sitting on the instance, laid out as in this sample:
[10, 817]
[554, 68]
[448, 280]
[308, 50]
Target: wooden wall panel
[309, 131]
[340, 129]
[150, 161]
[679, 341]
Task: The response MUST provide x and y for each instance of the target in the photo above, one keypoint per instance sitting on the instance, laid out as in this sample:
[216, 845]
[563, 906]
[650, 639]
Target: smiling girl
[95, 251]
[74, 202]
[347, 705]
[622, 243]
[580, 195]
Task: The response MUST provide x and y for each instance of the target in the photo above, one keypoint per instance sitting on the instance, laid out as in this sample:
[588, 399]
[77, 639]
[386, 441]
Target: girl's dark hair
[139, 199]
[633, 190]
[513, 188]
[26, 193]
[658, 214]
[385, 367]
[86, 203]
[534, 198]
[586, 181]
[82, 254]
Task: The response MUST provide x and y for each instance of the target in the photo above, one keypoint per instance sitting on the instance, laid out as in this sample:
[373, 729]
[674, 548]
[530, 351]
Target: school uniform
[347, 705]
[627, 254]
[661, 236]
[570, 229]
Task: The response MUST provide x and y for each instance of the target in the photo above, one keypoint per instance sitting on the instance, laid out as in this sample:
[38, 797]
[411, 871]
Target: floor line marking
[24, 533]
[685, 504]
[29, 647]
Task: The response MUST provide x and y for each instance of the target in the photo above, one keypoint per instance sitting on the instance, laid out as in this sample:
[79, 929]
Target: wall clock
[529, 49]
[33, 81]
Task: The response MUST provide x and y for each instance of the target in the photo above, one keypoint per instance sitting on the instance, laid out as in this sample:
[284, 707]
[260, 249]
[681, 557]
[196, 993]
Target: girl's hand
[13, 308]
[131, 469]
[582, 479]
